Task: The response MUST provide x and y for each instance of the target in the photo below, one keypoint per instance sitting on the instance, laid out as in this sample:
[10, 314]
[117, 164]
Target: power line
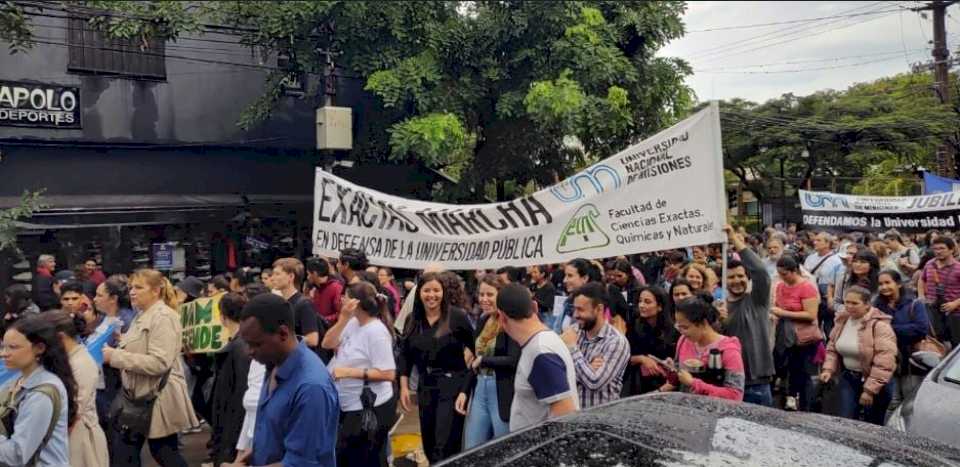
[818, 60]
[168, 45]
[766, 36]
[777, 23]
[196, 39]
[175, 57]
[796, 70]
[794, 39]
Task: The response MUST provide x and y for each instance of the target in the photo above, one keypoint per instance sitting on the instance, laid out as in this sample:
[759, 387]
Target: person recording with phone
[711, 364]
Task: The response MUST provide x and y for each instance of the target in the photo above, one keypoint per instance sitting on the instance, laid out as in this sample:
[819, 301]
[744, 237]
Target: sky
[806, 55]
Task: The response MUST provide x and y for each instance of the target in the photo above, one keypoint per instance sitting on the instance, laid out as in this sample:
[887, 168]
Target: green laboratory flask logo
[583, 231]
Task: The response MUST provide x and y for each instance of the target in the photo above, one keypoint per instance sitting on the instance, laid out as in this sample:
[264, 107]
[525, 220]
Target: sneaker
[791, 404]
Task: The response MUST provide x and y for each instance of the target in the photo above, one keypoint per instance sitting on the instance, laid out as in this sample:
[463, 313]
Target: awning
[92, 211]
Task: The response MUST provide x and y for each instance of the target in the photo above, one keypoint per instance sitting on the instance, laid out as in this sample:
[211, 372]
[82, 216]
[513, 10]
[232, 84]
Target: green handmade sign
[203, 332]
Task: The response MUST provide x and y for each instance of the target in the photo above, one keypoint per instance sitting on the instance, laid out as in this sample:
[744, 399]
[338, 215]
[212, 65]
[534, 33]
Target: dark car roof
[675, 429]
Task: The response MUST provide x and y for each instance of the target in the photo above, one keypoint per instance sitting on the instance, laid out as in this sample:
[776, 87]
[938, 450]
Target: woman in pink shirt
[711, 364]
[797, 337]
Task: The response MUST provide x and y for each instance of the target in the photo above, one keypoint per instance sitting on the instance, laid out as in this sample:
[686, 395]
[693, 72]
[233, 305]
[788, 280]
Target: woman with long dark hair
[652, 334]
[111, 312]
[17, 303]
[626, 283]
[435, 337]
[864, 272]
[45, 395]
[364, 363]
[88, 444]
[489, 388]
[910, 324]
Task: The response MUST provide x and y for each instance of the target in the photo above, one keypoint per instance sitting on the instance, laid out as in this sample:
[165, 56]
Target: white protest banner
[846, 213]
[665, 192]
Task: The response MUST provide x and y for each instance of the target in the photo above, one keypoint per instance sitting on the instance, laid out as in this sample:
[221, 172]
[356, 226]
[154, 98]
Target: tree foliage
[29, 204]
[881, 131]
[491, 89]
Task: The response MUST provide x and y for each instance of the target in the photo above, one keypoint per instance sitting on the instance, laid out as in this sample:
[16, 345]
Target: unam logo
[570, 191]
[820, 200]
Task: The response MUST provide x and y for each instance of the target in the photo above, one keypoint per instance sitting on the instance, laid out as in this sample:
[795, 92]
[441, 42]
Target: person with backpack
[88, 443]
[38, 408]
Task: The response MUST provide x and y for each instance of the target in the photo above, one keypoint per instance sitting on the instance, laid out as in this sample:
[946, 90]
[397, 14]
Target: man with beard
[748, 315]
[600, 353]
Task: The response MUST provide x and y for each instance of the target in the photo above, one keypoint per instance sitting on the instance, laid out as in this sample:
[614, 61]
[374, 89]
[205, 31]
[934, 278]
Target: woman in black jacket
[436, 336]
[231, 365]
[651, 334]
[489, 388]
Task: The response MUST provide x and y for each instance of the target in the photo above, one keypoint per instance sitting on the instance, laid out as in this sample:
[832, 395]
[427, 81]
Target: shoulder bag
[131, 416]
[9, 410]
[928, 343]
[808, 332]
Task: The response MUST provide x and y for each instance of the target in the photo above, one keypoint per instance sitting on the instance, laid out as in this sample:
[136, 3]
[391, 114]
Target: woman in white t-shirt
[363, 360]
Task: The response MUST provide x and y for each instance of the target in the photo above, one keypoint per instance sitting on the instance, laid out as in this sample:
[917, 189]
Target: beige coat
[149, 349]
[88, 444]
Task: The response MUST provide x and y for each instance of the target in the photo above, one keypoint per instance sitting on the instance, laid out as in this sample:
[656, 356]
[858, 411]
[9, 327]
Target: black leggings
[799, 369]
[440, 425]
[353, 447]
[126, 450]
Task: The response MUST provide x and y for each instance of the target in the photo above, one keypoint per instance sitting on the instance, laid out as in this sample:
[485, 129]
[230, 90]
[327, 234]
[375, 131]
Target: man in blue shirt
[298, 411]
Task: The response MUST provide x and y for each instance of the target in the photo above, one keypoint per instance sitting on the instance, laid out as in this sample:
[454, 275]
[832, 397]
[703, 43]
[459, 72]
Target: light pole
[783, 196]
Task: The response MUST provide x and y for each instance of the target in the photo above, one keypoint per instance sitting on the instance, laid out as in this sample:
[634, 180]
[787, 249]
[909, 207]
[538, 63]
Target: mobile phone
[665, 364]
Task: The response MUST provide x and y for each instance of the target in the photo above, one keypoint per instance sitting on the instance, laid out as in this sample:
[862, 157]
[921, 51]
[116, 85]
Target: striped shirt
[949, 278]
[602, 385]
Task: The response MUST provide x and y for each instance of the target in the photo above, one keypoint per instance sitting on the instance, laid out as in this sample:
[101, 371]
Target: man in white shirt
[545, 385]
[823, 262]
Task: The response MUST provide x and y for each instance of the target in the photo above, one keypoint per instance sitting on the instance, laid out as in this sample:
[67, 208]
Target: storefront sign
[847, 213]
[163, 256]
[203, 332]
[665, 192]
[39, 105]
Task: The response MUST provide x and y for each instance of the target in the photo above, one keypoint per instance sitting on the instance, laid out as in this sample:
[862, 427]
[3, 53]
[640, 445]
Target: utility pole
[941, 72]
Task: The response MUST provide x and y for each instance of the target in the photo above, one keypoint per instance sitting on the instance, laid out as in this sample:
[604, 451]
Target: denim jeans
[759, 394]
[849, 389]
[483, 417]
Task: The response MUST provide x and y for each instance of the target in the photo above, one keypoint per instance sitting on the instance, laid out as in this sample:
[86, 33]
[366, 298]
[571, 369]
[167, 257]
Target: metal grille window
[92, 51]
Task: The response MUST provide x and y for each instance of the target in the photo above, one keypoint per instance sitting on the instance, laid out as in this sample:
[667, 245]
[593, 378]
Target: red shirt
[791, 297]
[97, 277]
[326, 299]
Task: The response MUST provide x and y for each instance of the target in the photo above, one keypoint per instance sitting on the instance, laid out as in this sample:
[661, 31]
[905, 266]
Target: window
[293, 83]
[92, 51]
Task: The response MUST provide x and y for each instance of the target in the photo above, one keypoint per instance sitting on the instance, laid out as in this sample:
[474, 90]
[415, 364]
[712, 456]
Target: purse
[131, 416]
[928, 343]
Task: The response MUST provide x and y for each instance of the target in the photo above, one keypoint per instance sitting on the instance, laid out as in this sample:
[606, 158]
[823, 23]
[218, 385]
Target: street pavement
[405, 436]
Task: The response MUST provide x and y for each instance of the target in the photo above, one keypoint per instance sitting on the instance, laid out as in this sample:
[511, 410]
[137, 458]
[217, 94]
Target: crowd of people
[324, 354]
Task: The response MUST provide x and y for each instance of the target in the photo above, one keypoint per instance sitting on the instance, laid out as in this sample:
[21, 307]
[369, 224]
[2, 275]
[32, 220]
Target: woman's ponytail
[169, 294]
